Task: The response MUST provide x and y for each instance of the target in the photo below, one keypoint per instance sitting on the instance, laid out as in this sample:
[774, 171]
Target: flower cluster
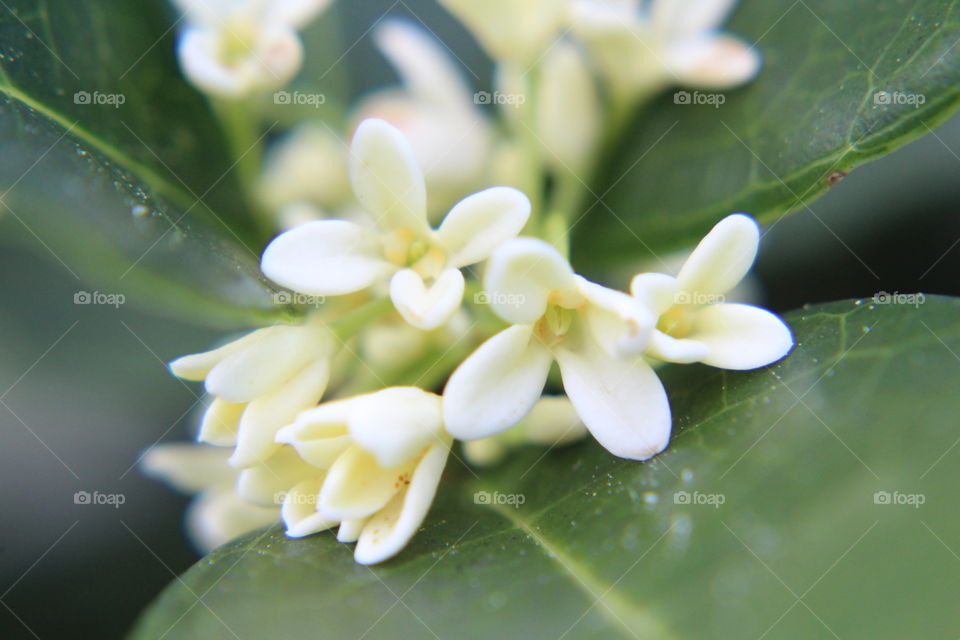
[430, 280]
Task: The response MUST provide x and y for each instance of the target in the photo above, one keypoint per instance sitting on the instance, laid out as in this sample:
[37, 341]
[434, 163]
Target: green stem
[531, 181]
[355, 320]
[241, 127]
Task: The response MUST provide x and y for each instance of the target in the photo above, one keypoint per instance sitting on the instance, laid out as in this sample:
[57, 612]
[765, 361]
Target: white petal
[426, 68]
[296, 13]
[219, 516]
[389, 530]
[484, 452]
[497, 385]
[613, 34]
[678, 18]
[480, 223]
[713, 62]
[722, 258]
[622, 403]
[186, 466]
[386, 178]
[452, 144]
[320, 434]
[553, 422]
[220, 423]
[424, 308]
[357, 487]
[320, 452]
[396, 424]
[267, 483]
[211, 12]
[325, 258]
[621, 324]
[390, 345]
[350, 530]
[670, 349]
[266, 364]
[740, 336]
[656, 290]
[520, 277]
[198, 365]
[514, 30]
[306, 166]
[299, 511]
[263, 418]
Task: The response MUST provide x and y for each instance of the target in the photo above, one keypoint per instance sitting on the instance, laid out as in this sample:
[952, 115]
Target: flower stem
[241, 127]
[526, 83]
[353, 321]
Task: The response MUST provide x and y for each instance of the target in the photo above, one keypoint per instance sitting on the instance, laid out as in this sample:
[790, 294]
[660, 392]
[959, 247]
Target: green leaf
[114, 166]
[777, 530]
[777, 144]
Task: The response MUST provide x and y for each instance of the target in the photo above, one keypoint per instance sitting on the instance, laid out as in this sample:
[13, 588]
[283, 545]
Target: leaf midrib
[160, 184]
[616, 608]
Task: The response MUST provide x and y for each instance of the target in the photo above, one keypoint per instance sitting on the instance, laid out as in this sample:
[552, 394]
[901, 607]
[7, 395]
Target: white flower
[336, 257]
[385, 453]
[553, 422]
[695, 324]
[228, 503]
[436, 111]
[234, 48]
[307, 165]
[674, 42]
[516, 31]
[259, 383]
[595, 334]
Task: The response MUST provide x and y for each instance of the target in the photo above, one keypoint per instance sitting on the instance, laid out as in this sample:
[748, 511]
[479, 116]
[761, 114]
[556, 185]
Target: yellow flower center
[239, 40]
[404, 248]
[677, 321]
[554, 325]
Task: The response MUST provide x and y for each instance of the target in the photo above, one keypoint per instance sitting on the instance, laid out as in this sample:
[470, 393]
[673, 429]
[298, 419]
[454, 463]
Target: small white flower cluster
[430, 282]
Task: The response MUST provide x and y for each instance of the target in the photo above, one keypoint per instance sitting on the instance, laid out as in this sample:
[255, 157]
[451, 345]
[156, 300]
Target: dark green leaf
[114, 166]
[69, 61]
[772, 147]
[605, 548]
